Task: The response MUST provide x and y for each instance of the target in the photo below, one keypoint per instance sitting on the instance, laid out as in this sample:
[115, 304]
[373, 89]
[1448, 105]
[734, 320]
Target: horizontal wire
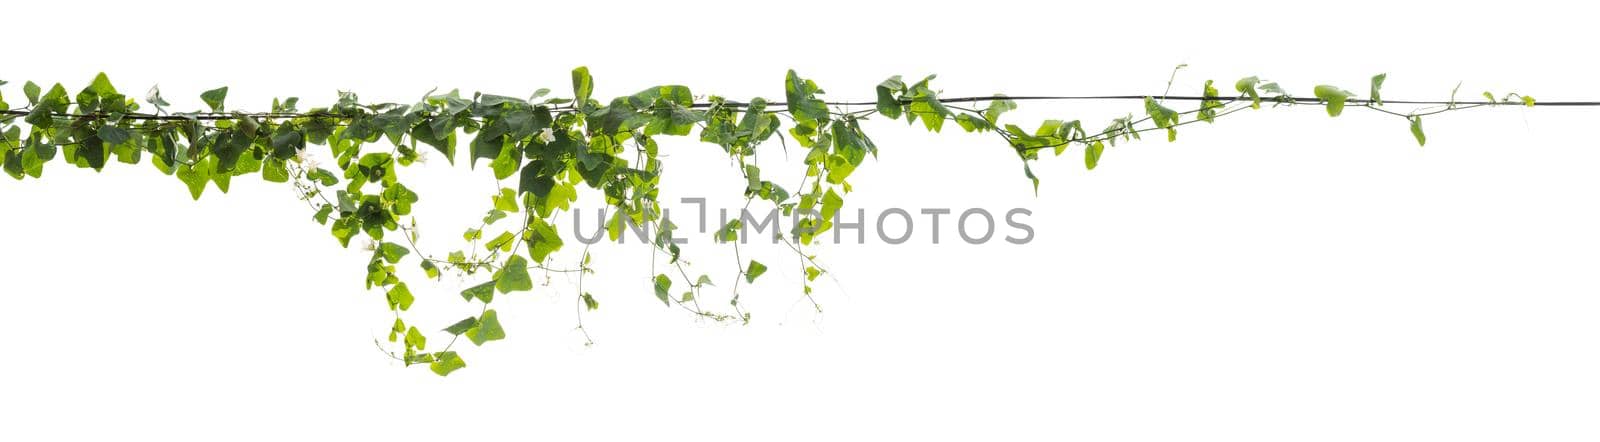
[1277, 99]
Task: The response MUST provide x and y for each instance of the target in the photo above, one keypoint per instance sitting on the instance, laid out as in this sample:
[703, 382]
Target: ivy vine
[544, 149]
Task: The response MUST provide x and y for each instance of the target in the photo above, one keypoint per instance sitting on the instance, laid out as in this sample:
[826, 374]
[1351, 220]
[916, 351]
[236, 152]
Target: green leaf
[1247, 86]
[101, 86]
[41, 116]
[492, 216]
[506, 200]
[888, 104]
[488, 329]
[754, 271]
[346, 228]
[214, 98]
[415, 339]
[506, 162]
[392, 252]
[802, 100]
[321, 216]
[13, 163]
[997, 107]
[1162, 116]
[532, 181]
[831, 202]
[195, 177]
[31, 91]
[1416, 131]
[112, 135]
[400, 297]
[582, 85]
[590, 303]
[932, 112]
[446, 362]
[728, 233]
[482, 292]
[542, 239]
[663, 285]
[502, 242]
[92, 153]
[275, 170]
[395, 330]
[1091, 154]
[462, 326]
[614, 227]
[972, 123]
[514, 276]
[1335, 98]
[1377, 83]
[287, 141]
[322, 176]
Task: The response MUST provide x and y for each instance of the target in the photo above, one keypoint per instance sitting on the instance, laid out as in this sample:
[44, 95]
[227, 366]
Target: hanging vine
[544, 149]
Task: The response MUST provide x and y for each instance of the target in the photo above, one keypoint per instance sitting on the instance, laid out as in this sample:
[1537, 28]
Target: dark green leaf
[482, 292]
[888, 102]
[112, 135]
[214, 98]
[462, 326]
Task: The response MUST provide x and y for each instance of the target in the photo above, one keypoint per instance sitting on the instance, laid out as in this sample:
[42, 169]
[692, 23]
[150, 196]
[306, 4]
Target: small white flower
[303, 156]
[154, 96]
[368, 245]
[546, 135]
[422, 157]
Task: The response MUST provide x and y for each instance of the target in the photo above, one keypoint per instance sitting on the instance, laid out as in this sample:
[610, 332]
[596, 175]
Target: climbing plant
[544, 149]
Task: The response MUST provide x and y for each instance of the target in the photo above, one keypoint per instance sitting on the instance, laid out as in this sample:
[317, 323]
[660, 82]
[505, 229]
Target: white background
[1277, 276]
